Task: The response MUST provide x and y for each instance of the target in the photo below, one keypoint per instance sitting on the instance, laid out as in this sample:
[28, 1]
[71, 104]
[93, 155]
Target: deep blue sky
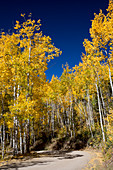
[67, 22]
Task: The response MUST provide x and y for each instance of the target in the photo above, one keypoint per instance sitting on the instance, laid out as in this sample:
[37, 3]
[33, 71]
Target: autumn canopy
[79, 103]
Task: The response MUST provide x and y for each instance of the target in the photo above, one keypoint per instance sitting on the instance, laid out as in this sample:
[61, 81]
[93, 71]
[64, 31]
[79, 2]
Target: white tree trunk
[21, 150]
[15, 131]
[99, 105]
[110, 79]
[52, 118]
[24, 139]
[28, 120]
[1, 135]
[3, 141]
[90, 115]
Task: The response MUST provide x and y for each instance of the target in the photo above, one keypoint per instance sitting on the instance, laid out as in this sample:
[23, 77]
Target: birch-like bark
[15, 131]
[103, 103]
[90, 117]
[110, 74]
[71, 132]
[20, 130]
[48, 115]
[3, 141]
[24, 138]
[84, 109]
[28, 136]
[111, 83]
[3, 129]
[61, 119]
[28, 120]
[71, 122]
[99, 105]
[52, 118]
[73, 125]
[57, 113]
[17, 124]
[1, 135]
[21, 150]
[14, 135]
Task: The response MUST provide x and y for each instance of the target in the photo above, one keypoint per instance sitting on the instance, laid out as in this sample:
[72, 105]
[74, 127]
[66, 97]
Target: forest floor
[58, 160]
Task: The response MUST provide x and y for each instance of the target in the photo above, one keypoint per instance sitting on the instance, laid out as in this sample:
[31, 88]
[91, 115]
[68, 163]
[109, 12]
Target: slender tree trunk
[103, 103]
[24, 138]
[28, 136]
[59, 117]
[110, 79]
[48, 115]
[28, 120]
[3, 141]
[67, 122]
[99, 105]
[1, 135]
[21, 143]
[71, 116]
[52, 118]
[15, 131]
[90, 117]
[13, 135]
[3, 131]
[73, 125]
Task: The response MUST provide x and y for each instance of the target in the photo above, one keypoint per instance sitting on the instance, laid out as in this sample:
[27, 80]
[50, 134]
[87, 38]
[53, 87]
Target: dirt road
[71, 161]
[75, 160]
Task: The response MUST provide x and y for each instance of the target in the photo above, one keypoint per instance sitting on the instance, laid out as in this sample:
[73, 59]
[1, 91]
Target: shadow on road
[70, 156]
[60, 155]
[23, 164]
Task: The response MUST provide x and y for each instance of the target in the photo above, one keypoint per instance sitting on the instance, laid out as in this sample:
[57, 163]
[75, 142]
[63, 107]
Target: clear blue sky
[67, 22]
